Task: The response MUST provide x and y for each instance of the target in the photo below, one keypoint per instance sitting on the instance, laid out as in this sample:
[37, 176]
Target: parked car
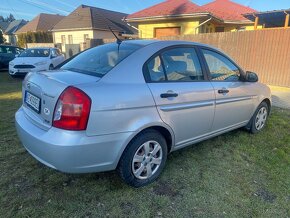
[35, 60]
[126, 106]
[7, 54]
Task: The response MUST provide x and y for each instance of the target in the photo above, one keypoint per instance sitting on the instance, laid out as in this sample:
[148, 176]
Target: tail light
[72, 110]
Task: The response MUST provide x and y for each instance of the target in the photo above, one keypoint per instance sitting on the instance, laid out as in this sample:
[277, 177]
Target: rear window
[100, 60]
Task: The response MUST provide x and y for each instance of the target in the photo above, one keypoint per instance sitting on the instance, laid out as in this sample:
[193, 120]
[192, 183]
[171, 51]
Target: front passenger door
[234, 103]
[183, 95]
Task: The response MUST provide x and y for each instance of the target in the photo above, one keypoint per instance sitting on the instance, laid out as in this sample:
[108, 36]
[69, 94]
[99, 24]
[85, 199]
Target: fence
[266, 52]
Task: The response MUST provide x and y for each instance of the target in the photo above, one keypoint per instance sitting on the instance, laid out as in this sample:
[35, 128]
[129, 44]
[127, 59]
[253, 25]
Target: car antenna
[119, 41]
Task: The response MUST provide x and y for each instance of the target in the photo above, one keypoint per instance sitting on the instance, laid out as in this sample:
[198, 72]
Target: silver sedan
[126, 105]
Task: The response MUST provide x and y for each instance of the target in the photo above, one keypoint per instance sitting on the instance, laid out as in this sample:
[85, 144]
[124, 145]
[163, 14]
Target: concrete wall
[78, 36]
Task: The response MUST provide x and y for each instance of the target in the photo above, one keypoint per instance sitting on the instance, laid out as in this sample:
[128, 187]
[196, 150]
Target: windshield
[100, 60]
[35, 53]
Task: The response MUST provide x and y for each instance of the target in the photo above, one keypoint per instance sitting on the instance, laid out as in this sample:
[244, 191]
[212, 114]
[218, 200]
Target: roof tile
[228, 10]
[42, 22]
[167, 8]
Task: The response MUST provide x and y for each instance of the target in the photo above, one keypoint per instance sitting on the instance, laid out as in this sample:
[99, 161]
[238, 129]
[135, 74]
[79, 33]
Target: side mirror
[52, 56]
[251, 77]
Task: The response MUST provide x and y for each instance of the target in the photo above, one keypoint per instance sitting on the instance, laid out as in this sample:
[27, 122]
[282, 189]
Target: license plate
[32, 101]
[23, 71]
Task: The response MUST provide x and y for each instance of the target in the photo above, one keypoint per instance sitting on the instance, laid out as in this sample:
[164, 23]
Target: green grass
[233, 175]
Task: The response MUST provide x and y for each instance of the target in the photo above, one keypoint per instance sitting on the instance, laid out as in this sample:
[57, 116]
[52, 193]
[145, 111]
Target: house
[182, 17]
[271, 19]
[87, 22]
[41, 23]
[9, 32]
[3, 26]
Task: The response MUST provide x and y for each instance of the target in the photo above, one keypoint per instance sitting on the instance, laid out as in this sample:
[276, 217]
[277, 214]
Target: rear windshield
[100, 60]
[35, 53]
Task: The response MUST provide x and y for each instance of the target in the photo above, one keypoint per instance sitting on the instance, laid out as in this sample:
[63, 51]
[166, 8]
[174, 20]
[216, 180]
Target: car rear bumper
[70, 151]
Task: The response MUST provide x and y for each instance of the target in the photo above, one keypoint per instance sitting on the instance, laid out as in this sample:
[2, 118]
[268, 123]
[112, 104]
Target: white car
[34, 60]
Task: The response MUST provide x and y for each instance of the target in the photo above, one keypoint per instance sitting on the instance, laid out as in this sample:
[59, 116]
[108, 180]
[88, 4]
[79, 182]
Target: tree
[34, 37]
[2, 40]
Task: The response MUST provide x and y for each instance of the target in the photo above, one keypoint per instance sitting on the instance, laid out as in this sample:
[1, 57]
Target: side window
[220, 67]
[182, 64]
[58, 52]
[53, 53]
[177, 64]
[155, 70]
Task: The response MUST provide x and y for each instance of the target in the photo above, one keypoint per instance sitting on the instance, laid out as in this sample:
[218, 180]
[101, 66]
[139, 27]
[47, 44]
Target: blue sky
[27, 9]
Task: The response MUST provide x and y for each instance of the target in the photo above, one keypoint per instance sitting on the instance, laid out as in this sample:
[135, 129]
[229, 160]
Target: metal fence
[266, 52]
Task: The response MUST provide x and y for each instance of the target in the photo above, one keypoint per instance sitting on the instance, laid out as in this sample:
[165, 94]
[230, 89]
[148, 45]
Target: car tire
[143, 159]
[259, 119]
[50, 67]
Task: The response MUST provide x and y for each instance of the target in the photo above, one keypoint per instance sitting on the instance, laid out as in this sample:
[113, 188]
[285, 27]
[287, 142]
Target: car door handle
[223, 91]
[168, 95]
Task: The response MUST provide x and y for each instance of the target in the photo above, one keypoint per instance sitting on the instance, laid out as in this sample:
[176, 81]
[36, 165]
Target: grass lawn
[233, 175]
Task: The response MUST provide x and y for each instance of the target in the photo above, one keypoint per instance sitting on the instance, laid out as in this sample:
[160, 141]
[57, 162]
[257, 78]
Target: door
[234, 103]
[167, 31]
[183, 95]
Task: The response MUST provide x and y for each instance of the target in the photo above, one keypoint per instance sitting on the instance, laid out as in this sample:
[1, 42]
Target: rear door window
[175, 65]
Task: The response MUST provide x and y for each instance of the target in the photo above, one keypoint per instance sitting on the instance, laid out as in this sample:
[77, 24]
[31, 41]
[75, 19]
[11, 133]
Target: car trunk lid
[41, 91]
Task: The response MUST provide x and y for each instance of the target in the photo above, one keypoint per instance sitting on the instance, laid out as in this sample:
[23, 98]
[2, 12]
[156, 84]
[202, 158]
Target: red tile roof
[228, 10]
[167, 8]
[224, 9]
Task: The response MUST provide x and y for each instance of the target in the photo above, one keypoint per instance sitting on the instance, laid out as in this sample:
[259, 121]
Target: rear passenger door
[183, 95]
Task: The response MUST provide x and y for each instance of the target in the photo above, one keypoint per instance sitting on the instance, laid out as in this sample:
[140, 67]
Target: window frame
[146, 73]
[242, 72]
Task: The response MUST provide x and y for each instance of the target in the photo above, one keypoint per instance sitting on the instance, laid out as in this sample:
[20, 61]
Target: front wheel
[259, 118]
[144, 159]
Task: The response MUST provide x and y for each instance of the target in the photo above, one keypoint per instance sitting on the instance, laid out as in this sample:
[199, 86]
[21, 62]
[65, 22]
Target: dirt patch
[166, 189]
[265, 195]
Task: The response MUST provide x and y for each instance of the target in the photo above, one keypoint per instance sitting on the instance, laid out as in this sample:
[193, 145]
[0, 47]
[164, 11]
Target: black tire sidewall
[125, 164]
[253, 126]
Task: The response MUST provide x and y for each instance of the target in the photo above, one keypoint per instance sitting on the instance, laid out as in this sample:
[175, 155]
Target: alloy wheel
[261, 118]
[147, 160]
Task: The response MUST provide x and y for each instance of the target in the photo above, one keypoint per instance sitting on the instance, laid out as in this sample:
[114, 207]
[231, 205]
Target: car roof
[11, 46]
[41, 48]
[167, 42]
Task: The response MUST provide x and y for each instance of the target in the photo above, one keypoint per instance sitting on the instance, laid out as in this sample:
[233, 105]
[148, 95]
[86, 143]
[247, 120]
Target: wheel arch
[162, 128]
[268, 102]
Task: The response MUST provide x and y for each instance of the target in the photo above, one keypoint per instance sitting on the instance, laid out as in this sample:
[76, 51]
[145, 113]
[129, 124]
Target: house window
[219, 29]
[70, 39]
[86, 36]
[241, 28]
[63, 41]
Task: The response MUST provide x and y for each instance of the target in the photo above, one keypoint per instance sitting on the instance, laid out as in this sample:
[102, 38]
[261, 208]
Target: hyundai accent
[125, 106]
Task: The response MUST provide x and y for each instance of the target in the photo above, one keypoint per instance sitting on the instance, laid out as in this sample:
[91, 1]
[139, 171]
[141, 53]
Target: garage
[167, 31]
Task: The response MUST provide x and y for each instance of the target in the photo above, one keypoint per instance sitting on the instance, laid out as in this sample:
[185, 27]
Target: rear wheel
[259, 118]
[144, 159]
